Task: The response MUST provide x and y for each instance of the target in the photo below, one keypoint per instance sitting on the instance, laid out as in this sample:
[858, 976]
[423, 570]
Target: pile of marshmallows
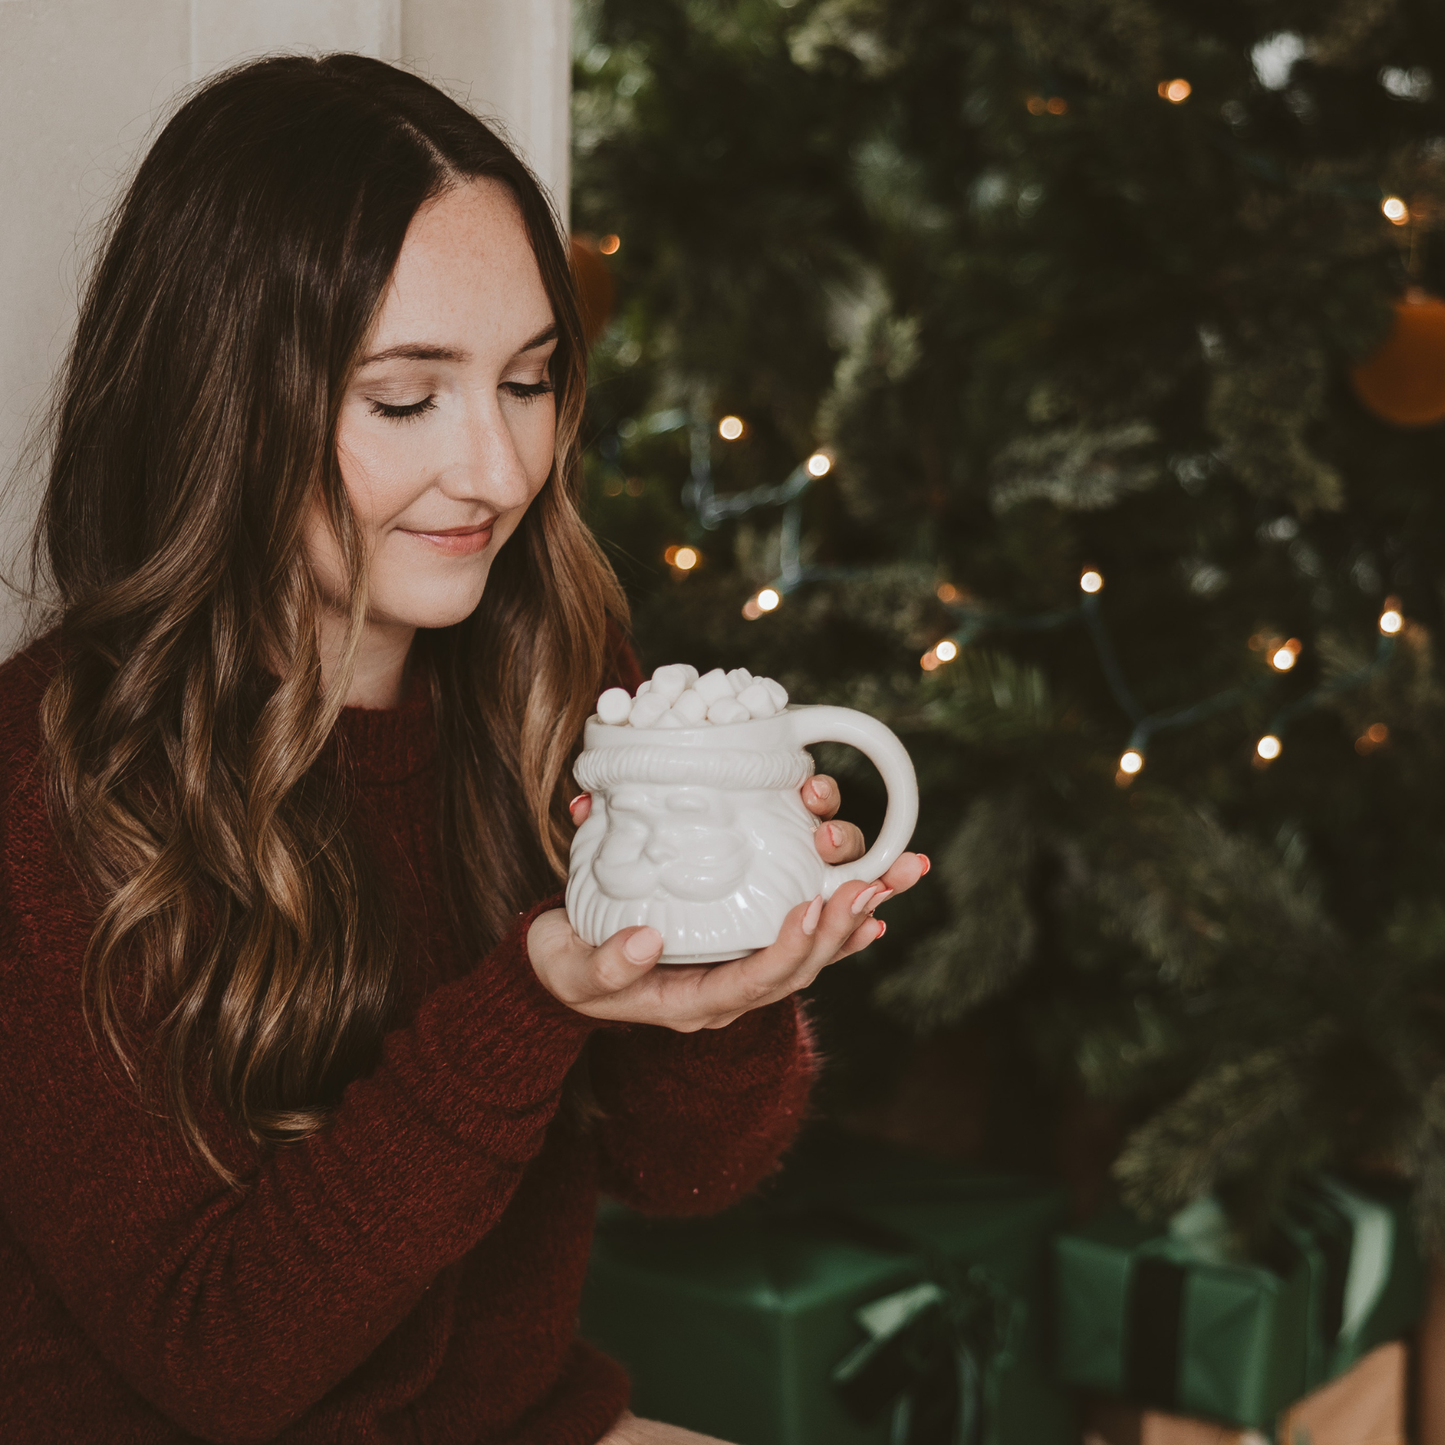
[676, 697]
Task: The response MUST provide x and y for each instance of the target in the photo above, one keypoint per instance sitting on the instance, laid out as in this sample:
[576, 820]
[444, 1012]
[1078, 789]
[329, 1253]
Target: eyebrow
[422, 351]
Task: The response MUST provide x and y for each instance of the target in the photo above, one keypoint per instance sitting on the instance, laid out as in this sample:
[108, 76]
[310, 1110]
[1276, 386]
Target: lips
[455, 541]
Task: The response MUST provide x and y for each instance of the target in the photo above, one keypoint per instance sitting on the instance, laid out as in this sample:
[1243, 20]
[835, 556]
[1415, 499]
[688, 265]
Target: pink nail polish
[835, 839]
[864, 898]
[576, 800]
[883, 897]
[811, 917]
[923, 858]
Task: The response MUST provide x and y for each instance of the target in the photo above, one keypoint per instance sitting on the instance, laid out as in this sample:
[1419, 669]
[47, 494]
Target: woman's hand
[619, 980]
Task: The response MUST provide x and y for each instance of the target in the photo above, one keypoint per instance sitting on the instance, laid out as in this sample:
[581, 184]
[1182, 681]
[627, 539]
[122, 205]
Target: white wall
[85, 83]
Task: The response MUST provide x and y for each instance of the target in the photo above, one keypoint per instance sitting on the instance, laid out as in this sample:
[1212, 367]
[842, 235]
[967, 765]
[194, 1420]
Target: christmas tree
[1079, 303]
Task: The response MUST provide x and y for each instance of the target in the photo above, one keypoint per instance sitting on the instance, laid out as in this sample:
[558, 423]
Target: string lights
[976, 621]
[1396, 212]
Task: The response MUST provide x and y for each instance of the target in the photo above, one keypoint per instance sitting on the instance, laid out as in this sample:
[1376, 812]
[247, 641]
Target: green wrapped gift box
[871, 1296]
[1173, 1322]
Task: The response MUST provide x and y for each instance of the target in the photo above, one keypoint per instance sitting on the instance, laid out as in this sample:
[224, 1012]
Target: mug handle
[879, 745]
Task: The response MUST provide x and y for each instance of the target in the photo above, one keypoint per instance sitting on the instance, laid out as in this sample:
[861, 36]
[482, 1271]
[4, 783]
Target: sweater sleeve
[234, 1310]
[692, 1122]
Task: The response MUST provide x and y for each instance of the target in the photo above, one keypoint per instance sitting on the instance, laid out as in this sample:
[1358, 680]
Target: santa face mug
[699, 829]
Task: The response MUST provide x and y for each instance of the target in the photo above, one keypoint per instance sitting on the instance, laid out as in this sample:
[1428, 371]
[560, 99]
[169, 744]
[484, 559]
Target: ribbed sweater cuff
[752, 1052]
[504, 1044]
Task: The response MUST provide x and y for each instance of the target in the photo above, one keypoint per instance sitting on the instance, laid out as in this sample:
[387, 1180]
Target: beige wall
[84, 83]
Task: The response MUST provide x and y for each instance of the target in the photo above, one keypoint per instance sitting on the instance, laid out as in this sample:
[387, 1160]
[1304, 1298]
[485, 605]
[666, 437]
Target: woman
[307, 1096]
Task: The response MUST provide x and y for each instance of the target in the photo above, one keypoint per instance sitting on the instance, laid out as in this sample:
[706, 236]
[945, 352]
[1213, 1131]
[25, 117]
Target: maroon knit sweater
[411, 1273]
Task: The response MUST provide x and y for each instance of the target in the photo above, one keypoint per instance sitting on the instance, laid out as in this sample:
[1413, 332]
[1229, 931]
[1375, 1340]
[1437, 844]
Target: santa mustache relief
[697, 825]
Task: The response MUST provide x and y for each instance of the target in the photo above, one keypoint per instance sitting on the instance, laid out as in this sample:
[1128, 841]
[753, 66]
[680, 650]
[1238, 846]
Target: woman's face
[446, 432]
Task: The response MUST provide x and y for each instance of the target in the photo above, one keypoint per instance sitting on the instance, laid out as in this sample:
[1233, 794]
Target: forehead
[466, 275]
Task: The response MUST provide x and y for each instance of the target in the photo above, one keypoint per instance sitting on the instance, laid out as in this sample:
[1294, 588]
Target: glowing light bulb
[769, 598]
[610, 245]
[1284, 655]
[1395, 210]
[1176, 92]
[819, 464]
[929, 661]
[947, 592]
[946, 650]
[1131, 761]
[1036, 104]
[685, 558]
[1091, 581]
[1057, 105]
[751, 610]
[1391, 620]
[730, 428]
[1269, 747]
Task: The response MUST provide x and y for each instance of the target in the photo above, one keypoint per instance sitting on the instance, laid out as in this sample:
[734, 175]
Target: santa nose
[659, 853]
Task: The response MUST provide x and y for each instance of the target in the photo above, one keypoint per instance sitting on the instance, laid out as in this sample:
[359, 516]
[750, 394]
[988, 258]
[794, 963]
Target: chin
[442, 604]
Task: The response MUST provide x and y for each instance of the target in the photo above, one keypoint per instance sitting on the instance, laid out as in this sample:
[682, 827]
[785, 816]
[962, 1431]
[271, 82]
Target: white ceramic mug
[701, 832]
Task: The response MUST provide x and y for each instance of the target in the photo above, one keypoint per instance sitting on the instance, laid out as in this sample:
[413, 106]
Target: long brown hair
[194, 427]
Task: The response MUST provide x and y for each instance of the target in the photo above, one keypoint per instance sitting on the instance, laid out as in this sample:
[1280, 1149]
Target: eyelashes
[527, 391]
[403, 413]
[522, 390]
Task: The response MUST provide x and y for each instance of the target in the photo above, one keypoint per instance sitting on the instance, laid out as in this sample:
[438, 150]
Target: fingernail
[643, 946]
[882, 929]
[862, 900]
[835, 835]
[811, 917]
[817, 790]
[883, 897]
[575, 801]
[923, 858]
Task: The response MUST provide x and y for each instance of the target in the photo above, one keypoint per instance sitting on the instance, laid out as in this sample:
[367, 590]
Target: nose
[486, 465]
[659, 852]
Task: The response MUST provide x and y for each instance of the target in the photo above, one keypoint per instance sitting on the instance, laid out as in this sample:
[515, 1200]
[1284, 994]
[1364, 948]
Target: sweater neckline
[391, 744]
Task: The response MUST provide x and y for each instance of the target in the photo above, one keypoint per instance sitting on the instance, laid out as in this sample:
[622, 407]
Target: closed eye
[527, 390]
[402, 413]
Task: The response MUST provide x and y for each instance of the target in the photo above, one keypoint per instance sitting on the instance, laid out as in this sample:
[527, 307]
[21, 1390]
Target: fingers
[839, 842]
[810, 939]
[623, 959]
[909, 868]
[821, 796]
[580, 808]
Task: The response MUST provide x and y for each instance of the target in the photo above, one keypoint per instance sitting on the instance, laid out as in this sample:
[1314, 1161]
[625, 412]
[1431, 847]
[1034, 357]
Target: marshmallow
[676, 697]
[713, 686]
[691, 708]
[728, 710]
[758, 701]
[648, 709]
[614, 706]
[671, 681]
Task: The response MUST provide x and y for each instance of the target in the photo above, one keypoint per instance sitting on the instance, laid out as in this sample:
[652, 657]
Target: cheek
[384, 472]
[534, 435]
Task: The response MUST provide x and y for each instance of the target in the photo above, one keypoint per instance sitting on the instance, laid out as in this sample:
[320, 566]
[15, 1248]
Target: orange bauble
[595, 292]
[1404, 381]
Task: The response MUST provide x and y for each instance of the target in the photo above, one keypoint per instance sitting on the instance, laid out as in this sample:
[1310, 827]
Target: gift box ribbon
[934, 1349]
[1347, 1240]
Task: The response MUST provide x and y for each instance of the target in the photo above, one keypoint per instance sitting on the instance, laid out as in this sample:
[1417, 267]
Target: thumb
[625, 957]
